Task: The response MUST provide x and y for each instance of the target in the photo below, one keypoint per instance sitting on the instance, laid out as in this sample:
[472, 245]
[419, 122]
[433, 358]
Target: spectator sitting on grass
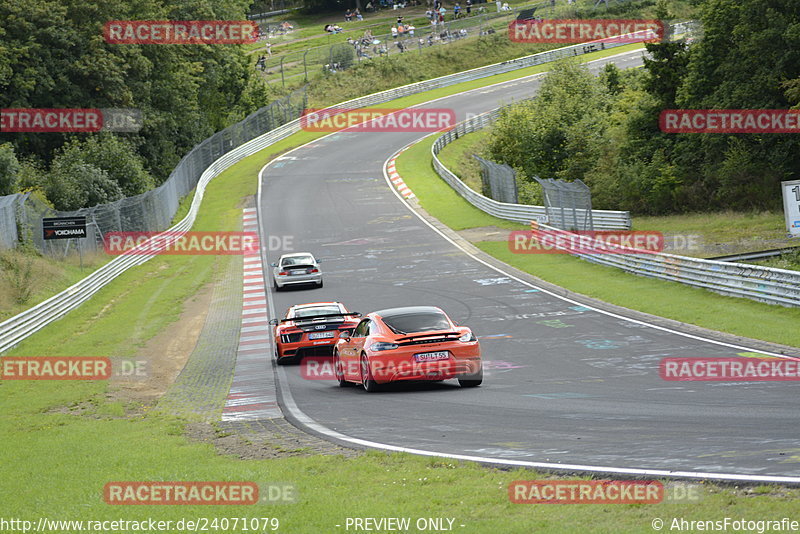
[368, 8]
[348, 16]
[358, 15]
[394, 32]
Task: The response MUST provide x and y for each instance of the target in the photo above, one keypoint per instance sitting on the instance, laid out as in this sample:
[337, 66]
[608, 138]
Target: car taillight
[467, 338]
[382, 345]
[283, 273]
[314, 271]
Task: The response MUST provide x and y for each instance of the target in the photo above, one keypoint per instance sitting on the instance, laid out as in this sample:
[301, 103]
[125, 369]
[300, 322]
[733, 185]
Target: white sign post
[791, 206]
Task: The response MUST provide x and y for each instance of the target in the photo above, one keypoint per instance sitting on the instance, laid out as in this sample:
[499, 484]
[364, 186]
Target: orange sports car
[311, 330]
[414, 343]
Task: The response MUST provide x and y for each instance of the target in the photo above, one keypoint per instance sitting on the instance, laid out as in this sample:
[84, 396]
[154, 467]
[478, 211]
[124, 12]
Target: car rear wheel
[471, 381]
[275, 285]
[319, 284]
[370, 386]
[339, 370]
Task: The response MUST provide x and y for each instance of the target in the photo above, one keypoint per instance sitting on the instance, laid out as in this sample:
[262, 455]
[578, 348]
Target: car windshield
[297, 260]
[417, 322]
[317, 310]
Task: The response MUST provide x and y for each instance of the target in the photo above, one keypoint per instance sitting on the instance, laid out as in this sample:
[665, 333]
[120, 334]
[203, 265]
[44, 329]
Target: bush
[9, 169]
[17, 269]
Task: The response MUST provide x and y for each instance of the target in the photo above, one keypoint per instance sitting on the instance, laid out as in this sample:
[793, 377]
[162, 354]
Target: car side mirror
[273, 322]
[345, 335]
[273, 264]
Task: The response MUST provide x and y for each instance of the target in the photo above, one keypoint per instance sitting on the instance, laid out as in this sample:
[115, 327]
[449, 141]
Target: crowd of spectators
[368, 45]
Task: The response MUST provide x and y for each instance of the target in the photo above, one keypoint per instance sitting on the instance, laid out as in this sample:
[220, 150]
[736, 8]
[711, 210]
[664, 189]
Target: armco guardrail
[774, 286]
[14, 330]
[523, 213]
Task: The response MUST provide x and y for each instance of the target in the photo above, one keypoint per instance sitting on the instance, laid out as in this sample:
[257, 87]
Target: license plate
[320, 335]
[297, 271]
[432, 356]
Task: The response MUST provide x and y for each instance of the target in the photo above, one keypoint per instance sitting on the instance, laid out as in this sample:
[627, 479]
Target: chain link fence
[8, 221]
[568, 204]
[151, 211]
[499, 181]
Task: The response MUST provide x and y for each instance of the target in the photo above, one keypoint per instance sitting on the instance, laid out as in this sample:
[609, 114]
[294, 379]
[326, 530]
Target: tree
[547, 137]
[116, 157]
[74, 183]
[9, 169]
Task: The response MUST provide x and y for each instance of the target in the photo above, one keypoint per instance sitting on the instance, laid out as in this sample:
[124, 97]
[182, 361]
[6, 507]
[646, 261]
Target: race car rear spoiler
[311, 317]
[429, 334]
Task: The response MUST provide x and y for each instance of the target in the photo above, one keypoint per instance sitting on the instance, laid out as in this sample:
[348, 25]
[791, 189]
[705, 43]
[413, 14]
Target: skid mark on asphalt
[555, 323]
[601, 344]
[252, 395]
[560, 395]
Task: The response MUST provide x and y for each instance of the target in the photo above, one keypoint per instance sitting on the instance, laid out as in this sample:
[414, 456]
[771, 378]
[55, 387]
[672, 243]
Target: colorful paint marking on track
[398, 182]
[252, 394]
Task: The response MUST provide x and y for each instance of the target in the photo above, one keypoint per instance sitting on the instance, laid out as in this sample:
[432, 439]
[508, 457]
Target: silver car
[295, 269]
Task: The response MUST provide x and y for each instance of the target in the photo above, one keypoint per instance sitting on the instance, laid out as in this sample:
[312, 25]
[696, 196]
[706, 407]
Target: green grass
[328, 489]
[322, 98]
[724, 232]
[39, 276]
[457, 156]
[438, 198]
[56, 464]
[749, 231]
[666, 299]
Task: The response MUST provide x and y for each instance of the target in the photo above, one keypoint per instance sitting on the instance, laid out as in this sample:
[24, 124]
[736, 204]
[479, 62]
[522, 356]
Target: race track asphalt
[564, 384]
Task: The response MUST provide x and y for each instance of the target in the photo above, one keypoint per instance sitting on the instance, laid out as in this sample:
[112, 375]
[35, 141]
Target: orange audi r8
[414, 343]
[311, 330]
